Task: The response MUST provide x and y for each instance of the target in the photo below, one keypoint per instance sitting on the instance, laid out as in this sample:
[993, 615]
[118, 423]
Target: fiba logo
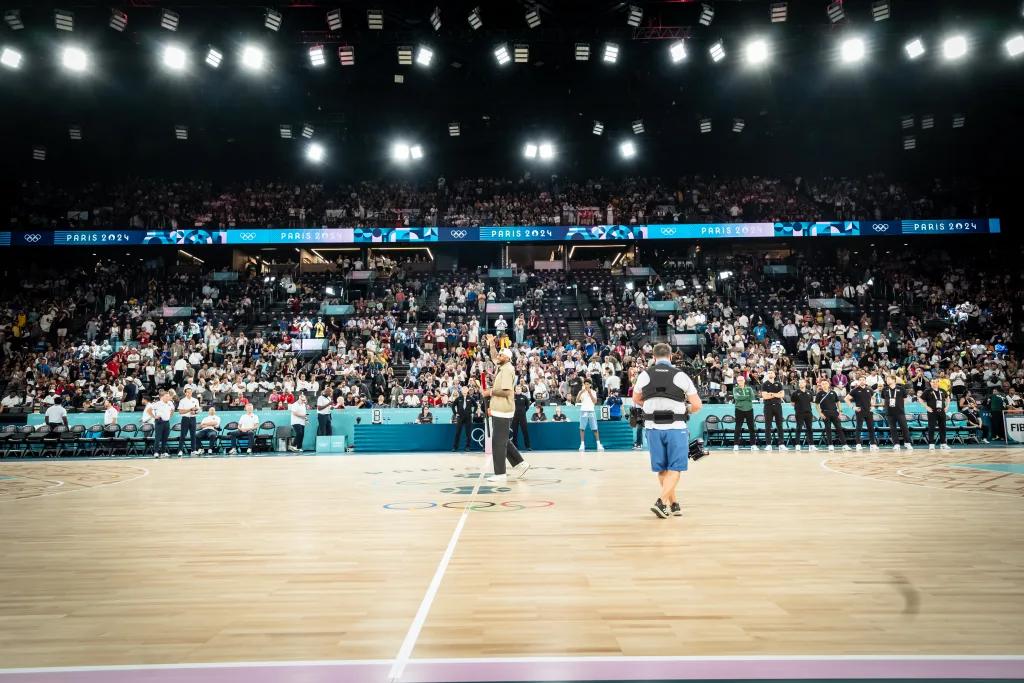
[459, 234]
[33, 238]
[880, 227]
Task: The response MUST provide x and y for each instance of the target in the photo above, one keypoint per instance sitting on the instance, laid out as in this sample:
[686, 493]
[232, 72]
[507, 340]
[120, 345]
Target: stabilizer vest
[662, 384]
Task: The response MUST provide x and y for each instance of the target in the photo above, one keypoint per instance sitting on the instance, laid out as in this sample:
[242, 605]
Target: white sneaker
[498, 478]
[736, 447]
[931, 447]
[831, 447]
[984, 440]
[248, 451]
[860, 447]
[797, 447]
[181, 453]
[293, 449]
[754, 447]
[199, 452]
[874, 447]
[812, 447]
[233, 451]
[910, 446]
[582, 448]
[847, 448]
[599, 446]
[166, 454]
[768, 447]
[895, 446]
[944, 446]
[519, 471]
[157, 455]
[783, 447]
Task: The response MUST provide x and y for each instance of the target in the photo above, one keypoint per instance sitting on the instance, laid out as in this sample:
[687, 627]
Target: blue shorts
[588, 418]
[670, 449]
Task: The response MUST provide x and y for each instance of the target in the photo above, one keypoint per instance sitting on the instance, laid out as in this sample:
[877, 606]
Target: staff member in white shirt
[161, 412]
[587, 400]
[109, 414]
[179, 371]
[323, 412]
[209, 430]
[55, 415]
[298, 420]
[188, 408]
[247, 426]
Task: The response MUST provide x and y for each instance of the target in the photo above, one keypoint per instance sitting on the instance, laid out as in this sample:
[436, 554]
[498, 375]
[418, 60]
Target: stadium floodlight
[546, 151]
[909, 142]
[118, 20]
[424, 55]
[927, 122]
[907, 122]
[835, 11]
[530, 150]
[738, 125]
[521, 53]
[852, 50]
[175, 58]
[707, 14]
[611, 53]
[880, 10]
[74, 59]
[638, 127]
[454, 129]
[315, 152]
[627, 150]
[39, 153]
[756, 52]
[317, 57]
[582, 52]
[717, 52]
[181, 132]
[533, 18]
[286, 131]
[214, 57]
[435, 19]
[347, 55]
[1015, 45]
[474, 19]
[598, 128]
[416, 152]
[169, 19]
[705, 126]
[779, 12]
[954, 47]
[74, 132]
[405, 55]
[253, 58]
[334, 20]
[959, 120]
[677, 51]
[10, 58]
[12, 17]
[399, 78]
[272, 19]
[501, 54]
[64, 20]
[635, 16]
[307, 131]
[375, 19]
[914, 48]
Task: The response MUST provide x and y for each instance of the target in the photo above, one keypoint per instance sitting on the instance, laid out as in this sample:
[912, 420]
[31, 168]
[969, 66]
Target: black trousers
[639, 441]
[323, 425]
[502, 447]
[519, 422]
[741, 417]
[937, 418]
[832, 421]
[804, 423]
[161, 432]
[898, 421]
[210, 436]
[865, 420]
[460, 427]
[298, 434]
[773, 414]
[250, 438]
[188, 428]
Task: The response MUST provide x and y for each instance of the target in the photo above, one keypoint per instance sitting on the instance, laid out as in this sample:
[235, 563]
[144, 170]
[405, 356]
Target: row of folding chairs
[42, 441]
[720, 431]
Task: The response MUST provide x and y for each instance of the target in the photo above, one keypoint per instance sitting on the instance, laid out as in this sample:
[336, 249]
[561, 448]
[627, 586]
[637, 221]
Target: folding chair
[728, 427]
[35, 440]
[264, 439]
[712, 429]
[8, 438]
[129, 433]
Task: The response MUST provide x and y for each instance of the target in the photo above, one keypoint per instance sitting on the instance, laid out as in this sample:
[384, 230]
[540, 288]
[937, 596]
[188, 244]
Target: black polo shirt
[828, 401]
[802, 401]
[893, 398]
[772, 387]
[936, 399]
[862, 397]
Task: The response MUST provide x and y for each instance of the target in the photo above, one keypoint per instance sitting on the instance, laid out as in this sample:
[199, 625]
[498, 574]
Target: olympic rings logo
[880, 227]
[248, 236]
[33, 238]
[459, 234]
[474, 505]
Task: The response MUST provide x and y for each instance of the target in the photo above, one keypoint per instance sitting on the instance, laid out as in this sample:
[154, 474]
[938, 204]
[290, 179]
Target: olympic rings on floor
[423, 505]
[475, 505]
[459, 504]
[522, 504]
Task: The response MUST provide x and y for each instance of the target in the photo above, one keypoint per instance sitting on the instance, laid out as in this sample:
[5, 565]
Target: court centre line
[413, 634]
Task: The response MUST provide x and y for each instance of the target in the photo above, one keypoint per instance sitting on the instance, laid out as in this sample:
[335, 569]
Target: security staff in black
[519, 422]
[936, 400]
[772, 393]
[860, 397]
[802, 400]
[463, 410]
[893, 400]
[827, 401]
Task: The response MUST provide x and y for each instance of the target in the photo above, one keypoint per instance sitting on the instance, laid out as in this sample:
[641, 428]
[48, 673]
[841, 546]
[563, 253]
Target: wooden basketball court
[375, 568]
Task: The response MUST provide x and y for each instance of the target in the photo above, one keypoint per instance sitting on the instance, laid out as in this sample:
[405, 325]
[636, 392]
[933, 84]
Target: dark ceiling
[804, 113]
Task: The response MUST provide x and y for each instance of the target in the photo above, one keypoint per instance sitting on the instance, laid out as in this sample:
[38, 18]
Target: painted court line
[413, 634]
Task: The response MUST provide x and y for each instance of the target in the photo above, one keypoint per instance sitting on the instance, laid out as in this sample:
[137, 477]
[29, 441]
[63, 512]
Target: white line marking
[413, 634]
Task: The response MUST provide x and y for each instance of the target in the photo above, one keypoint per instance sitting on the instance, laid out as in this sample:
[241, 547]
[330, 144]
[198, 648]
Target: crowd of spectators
[171, 204]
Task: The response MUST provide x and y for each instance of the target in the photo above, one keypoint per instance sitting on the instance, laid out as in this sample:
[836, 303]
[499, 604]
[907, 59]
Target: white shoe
[812, 447]
[157, 455]
[860, 447]
[783, 447]
[984, 440]
[944, 446]
[166, 454]
[874, 447]
[293, 449]
[498, 478]
[735, 448]
[181, 453]
[797, 447]
[582, 448]
[233, 451]
[910, 446]
[199, 452]
[931, 447]
[768, 447]
[847, 448]
[519, 471]
[831, 447]
[599, 446]
[895, 446]
[754, 447]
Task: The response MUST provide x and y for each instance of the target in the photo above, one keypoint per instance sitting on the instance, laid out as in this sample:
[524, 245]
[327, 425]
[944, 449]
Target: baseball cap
[507, 353]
